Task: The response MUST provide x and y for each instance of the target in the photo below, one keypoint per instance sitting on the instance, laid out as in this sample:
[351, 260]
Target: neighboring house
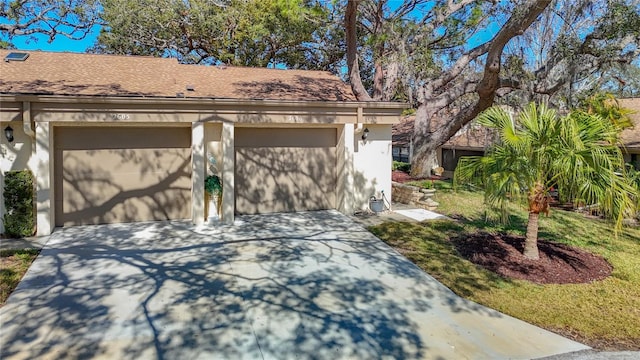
[123, 138]
[631, 137]
[401, 133]
[471, 140]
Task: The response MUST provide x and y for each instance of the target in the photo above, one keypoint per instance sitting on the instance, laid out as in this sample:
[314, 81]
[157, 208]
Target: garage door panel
[101, 138]
[136, 183]
[276, 137]
[127, 208]
[282, 179]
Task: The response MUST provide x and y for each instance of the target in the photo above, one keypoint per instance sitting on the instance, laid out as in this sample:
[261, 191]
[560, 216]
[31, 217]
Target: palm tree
[578, 154]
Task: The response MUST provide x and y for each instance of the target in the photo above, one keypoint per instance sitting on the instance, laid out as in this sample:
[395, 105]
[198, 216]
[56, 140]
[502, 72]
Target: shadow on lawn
[308, 286]
[428, 245]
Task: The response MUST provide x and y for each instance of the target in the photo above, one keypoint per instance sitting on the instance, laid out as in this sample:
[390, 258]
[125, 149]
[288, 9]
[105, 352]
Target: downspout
[26, 119]
[359, 119]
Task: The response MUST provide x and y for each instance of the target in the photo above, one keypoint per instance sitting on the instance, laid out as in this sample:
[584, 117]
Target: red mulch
[558, 263]
[402, 177]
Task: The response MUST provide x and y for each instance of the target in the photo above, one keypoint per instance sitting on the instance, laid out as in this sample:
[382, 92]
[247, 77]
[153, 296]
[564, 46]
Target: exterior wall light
[8, 133]
[365, 134]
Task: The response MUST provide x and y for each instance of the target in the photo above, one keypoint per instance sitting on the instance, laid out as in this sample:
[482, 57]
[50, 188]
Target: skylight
[16, 56]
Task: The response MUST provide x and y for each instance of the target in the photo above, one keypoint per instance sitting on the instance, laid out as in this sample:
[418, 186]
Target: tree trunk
[378, 74]
[531, 242]
[350, 24]
[391, 80]
[424, 147]
[378, 81]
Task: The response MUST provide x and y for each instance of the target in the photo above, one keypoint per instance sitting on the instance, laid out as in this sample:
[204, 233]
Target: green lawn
[13, 265]
[604, 314]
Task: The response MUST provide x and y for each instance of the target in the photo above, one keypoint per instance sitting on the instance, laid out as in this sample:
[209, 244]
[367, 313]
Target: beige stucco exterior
[371, 165]
[355, 169]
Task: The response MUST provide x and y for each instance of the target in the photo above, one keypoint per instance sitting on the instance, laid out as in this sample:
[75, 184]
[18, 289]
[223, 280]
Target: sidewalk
[370, 218]
[25, 243]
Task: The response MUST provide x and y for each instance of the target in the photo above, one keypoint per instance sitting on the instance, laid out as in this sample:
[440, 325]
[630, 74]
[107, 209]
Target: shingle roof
[401, 132]
[470, 137]
[631, 137]
[109, 75]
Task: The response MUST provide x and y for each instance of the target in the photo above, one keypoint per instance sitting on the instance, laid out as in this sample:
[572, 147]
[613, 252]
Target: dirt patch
[558, 263]
[601, 344]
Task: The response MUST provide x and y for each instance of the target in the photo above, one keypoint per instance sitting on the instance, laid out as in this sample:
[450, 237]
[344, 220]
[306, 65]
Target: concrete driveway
[306, 286]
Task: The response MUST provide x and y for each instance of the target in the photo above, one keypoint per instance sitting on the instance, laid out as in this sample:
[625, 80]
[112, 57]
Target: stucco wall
[371, 164]
[213, 157]
[363, 166]
[13, 156]
[212, 138]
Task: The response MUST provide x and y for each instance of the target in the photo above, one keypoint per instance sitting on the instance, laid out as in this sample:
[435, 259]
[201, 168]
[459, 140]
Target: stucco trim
[144, 109]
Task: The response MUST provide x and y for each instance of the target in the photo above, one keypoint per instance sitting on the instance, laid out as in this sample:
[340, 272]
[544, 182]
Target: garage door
[285, 170]
[111, 175]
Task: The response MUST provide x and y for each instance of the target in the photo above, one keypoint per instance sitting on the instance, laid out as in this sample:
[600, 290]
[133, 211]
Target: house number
[120, 116]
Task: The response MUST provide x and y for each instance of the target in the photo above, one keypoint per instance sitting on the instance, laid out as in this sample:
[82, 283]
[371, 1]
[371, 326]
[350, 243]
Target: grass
[431, 184]
[13, 265]
[603, 314]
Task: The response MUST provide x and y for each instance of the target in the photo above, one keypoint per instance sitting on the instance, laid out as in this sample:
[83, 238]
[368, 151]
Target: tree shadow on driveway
[306, 285]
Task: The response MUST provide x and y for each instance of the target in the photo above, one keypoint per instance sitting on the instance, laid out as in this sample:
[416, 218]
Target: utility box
[376, 205]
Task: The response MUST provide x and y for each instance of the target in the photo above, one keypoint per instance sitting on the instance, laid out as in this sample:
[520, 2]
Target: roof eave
[93, 99]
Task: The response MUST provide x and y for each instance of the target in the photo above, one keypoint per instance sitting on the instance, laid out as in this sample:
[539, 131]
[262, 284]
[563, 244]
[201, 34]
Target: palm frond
[578, 153]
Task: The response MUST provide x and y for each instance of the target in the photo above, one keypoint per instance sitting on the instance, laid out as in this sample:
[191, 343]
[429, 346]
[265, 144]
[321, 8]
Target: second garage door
[285, 170]
[110, 175]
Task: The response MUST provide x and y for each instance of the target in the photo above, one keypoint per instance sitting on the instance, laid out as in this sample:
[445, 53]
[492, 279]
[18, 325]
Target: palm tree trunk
[531, 242]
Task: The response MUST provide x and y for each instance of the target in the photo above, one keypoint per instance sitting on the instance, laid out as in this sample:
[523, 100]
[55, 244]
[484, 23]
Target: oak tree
[454, 59]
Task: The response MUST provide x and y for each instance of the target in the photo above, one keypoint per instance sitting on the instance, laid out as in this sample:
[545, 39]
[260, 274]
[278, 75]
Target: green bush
[19, 218]
[401, 166]
[213, 185]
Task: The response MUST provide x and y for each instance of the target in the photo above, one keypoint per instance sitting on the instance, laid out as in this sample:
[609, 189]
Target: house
[471, 140]
[122, 138]
[401, 133]
[631, 137]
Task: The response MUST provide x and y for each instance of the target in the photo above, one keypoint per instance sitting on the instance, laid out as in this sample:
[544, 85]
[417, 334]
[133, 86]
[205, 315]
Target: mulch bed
[402, 177]
[558, 263]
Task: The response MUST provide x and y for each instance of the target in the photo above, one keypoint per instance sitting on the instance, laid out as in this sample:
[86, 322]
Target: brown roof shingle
[631, 137]
[470, 137]
[109, 75]
[402, 132]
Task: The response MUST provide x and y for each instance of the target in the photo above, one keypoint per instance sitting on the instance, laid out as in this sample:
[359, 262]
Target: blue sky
[60, 43]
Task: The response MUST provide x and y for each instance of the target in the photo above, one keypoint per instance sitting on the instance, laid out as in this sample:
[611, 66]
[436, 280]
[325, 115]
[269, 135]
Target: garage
[121, 174]
[285, 169]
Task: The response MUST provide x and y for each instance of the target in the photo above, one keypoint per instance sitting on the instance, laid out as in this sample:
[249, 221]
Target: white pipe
[26, 119]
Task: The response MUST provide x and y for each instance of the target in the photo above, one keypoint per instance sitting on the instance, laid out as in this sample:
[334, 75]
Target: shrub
[19, 219]
[401, 166]
[213, 185]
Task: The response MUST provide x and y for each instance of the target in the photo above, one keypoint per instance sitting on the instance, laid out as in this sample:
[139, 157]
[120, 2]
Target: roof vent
[16, 56]
[191, 88]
